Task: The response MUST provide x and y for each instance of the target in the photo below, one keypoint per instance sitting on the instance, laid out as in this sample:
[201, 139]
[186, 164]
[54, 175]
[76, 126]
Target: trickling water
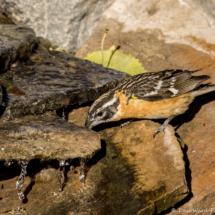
[21, 179]
[81, 171]
[61, 175]
[67, 163]
[8, 163]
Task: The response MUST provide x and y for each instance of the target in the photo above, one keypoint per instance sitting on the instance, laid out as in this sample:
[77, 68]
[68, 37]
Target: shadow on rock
[194, 108]
[5, 100]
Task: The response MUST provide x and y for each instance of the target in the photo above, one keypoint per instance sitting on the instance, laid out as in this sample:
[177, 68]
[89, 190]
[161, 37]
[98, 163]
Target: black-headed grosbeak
[156, 95]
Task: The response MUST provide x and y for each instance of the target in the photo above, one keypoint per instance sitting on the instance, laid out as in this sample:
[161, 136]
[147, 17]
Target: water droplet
[19, 207]
[21, 179]
[2, 148]
[8, 163]
[62, 163]
[81, 171]
[67, 163]
[61, 176]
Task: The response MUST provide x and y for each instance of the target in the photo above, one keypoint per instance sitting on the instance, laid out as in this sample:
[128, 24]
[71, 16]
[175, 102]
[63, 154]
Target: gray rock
[208, 6]
[48, 82]
[16, 43]
[68, 23]
[46, 137]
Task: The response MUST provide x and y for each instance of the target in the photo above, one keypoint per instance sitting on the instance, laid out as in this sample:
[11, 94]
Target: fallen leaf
[17, 91]
[114, 59]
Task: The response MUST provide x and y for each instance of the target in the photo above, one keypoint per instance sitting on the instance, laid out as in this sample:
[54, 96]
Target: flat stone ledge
[49, 137]
[46, 82]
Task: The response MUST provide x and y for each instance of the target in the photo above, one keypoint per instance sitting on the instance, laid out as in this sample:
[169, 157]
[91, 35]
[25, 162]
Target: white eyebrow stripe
[98, 100]
[112, 101]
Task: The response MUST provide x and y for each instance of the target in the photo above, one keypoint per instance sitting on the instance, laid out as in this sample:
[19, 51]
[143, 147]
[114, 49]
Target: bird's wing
[161, 85]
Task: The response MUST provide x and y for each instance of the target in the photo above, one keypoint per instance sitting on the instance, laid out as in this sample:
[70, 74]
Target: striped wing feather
[161, 85]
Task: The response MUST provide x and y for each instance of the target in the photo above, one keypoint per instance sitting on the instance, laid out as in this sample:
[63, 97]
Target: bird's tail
[195, 70]
[203, 89]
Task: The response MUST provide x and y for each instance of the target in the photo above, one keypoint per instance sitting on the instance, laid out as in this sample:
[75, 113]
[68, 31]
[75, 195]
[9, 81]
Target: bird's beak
[88, 124]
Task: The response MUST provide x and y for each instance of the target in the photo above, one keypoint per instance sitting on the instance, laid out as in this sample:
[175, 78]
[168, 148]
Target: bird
[152, 95]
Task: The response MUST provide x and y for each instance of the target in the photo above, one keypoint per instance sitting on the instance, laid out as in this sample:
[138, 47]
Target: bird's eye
[99, 114]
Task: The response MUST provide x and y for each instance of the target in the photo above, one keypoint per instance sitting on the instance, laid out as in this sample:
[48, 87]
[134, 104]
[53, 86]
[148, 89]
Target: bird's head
[104, 109]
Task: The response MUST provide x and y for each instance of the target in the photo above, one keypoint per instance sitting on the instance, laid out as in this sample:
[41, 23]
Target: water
[81, 171]
[21, 179]
[61, 175]
[8, 163]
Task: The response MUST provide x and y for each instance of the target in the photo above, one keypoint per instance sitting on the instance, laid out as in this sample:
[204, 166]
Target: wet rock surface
[50, 82]
[16, 44]
[132, 174]
[47, 138]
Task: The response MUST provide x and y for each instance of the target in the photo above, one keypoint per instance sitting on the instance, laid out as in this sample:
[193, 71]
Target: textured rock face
[159, 34]
[48, 82]
[78, 116]
[48, 138]
[67, 23]
[198, 134]
[5, 20]
[16, 43]
[157, 165]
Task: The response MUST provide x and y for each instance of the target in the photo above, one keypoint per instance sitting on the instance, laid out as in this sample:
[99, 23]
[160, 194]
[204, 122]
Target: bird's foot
[125, 123]
[161, 128]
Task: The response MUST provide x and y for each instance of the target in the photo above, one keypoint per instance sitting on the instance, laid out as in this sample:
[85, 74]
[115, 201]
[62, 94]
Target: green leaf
[116, 60]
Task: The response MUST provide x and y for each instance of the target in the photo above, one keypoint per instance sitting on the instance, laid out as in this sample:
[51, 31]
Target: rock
[159, 35]
[78, 116]
[157, 165]
[198, 134]
[132, 174]
[154, 32]
[47, 44]
[5, 20]
[16, 44]
[67, 23]
[47, 138]
[48, 82]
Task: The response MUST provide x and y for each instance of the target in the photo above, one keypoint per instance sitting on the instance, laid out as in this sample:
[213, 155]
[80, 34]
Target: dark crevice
[64, 111]
[5, 100]
[97, 157]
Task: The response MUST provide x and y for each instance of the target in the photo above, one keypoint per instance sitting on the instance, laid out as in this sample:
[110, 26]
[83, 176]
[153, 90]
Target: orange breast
[137, 108]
